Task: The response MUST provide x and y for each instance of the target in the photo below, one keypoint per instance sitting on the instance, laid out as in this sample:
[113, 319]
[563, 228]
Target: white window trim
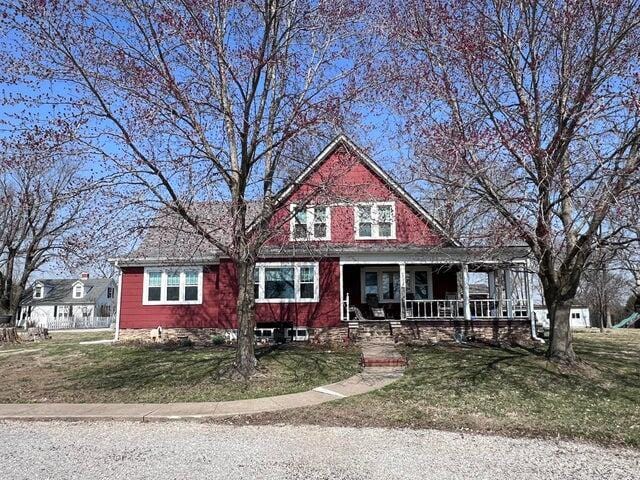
[75, 285]
[35, 289]
[296, 282]
[163, 286]
[375, 233]
[411, 285]
[310, 209]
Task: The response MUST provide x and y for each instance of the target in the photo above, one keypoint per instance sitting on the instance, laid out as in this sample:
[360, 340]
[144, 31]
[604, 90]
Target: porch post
[465, 291]
[529, 289]
[342, 312]
[508, 290]
[403, 291]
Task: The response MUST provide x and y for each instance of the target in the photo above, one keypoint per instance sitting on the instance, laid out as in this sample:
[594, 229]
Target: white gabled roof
[368, 161]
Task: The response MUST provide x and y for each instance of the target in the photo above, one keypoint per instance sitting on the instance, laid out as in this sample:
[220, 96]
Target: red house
[357, 251]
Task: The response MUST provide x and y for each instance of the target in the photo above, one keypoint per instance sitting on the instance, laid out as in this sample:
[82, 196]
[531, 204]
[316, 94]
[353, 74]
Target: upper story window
[38, 291]
[78, 290]
[311, 223]
[170, 286]
[110, 292]
[375, 220]
[290, 282]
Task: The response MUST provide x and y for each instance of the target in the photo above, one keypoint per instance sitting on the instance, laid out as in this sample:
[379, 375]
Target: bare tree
[199, 102]
[43, 208]
[532, 109]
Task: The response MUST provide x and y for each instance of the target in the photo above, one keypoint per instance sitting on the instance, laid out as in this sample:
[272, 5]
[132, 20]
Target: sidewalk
[370, 379]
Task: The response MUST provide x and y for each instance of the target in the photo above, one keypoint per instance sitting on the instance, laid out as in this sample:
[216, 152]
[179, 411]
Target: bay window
[311, 223]
[291, 282]
[172, 286]
[375, 221]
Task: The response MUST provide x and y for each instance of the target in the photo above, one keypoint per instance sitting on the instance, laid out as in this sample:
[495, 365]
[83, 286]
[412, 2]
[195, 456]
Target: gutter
[119, 302]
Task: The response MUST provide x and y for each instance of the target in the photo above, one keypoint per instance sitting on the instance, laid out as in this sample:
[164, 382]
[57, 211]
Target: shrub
[217, 339]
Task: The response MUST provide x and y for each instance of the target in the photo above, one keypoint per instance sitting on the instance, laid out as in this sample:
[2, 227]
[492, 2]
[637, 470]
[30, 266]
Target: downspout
[119, 302]
[534, 333]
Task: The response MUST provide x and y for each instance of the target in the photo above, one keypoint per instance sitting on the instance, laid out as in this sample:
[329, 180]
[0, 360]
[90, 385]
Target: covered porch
[376, 288]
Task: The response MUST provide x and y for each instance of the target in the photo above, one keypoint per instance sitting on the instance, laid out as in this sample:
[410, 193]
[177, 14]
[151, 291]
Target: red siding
[218, 309]
[344, 179]
[136, 315]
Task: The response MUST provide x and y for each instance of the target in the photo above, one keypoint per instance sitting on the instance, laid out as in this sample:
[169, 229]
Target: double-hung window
[375, 220]
[311, 223]
[291, 282]
[172, 286]
[38, 291]
[78, 290]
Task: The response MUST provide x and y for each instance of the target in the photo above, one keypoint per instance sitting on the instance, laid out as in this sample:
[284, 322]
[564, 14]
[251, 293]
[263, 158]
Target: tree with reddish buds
[198, 102]
[531, 108]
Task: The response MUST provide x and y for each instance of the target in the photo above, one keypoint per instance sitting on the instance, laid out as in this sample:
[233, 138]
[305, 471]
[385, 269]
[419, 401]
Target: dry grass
[61, 370]
[507, 391]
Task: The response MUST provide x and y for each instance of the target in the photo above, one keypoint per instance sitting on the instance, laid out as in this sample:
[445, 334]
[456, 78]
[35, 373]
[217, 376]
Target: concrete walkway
[370, 379]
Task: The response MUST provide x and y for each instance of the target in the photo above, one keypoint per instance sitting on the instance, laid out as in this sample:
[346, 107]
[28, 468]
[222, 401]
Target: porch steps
[377, 353]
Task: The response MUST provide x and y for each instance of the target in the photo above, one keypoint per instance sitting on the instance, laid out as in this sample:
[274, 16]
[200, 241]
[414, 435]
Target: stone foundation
[198, 336]
[492, 331]
[425, 332]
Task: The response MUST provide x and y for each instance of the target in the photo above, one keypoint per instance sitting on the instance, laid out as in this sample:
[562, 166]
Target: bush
[217, 339]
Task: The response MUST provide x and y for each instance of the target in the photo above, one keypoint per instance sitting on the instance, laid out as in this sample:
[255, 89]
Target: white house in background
[69, 303]
[579, 316]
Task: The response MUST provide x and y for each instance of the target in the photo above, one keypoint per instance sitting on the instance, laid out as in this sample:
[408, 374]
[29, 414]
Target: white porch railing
[480, 309]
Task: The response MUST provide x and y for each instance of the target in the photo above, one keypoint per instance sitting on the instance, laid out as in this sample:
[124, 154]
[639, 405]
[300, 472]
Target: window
[421, 285]
[297, 282]
[78, 290]
[307, 282]
[370, 283]
[38, 291]
[575, 314]
[191, 285]
[312, 223]
[172, 286]
[297, 334]
[375, 220]
[391, 285]
[279, 283]
[385, 283]
[110, 292]
[155, 286]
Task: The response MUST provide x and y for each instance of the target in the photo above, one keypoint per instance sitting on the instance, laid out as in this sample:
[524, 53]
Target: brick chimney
[84, 276]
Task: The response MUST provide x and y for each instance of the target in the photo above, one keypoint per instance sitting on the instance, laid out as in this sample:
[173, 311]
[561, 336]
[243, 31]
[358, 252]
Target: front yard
[61, 370]
[507, 391]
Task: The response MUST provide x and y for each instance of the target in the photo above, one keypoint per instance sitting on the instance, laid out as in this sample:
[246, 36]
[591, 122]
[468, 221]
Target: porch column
[508, 290]
[465, 291]
[403, 291]
[529, 289]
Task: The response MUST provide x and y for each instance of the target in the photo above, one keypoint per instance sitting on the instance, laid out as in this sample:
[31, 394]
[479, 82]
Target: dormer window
[78, 290]
[375, 220]
[311, 223]
[38, 291]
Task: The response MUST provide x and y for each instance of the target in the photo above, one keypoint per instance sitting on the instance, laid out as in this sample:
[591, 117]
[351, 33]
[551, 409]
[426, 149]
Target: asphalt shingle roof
[60, 292]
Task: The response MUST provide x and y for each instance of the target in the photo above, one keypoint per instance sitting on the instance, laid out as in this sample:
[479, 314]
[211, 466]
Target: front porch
[427, 291]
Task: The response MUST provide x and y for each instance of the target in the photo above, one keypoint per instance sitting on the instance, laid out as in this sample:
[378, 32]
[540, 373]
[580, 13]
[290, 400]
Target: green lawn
[509, 391]
[61, 370]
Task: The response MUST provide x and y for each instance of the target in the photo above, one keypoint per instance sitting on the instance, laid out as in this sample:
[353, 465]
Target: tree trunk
[560, 345]
[245, 353]
[9, 335]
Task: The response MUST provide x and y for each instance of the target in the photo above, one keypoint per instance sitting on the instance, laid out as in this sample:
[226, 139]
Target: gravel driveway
[200, 451]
